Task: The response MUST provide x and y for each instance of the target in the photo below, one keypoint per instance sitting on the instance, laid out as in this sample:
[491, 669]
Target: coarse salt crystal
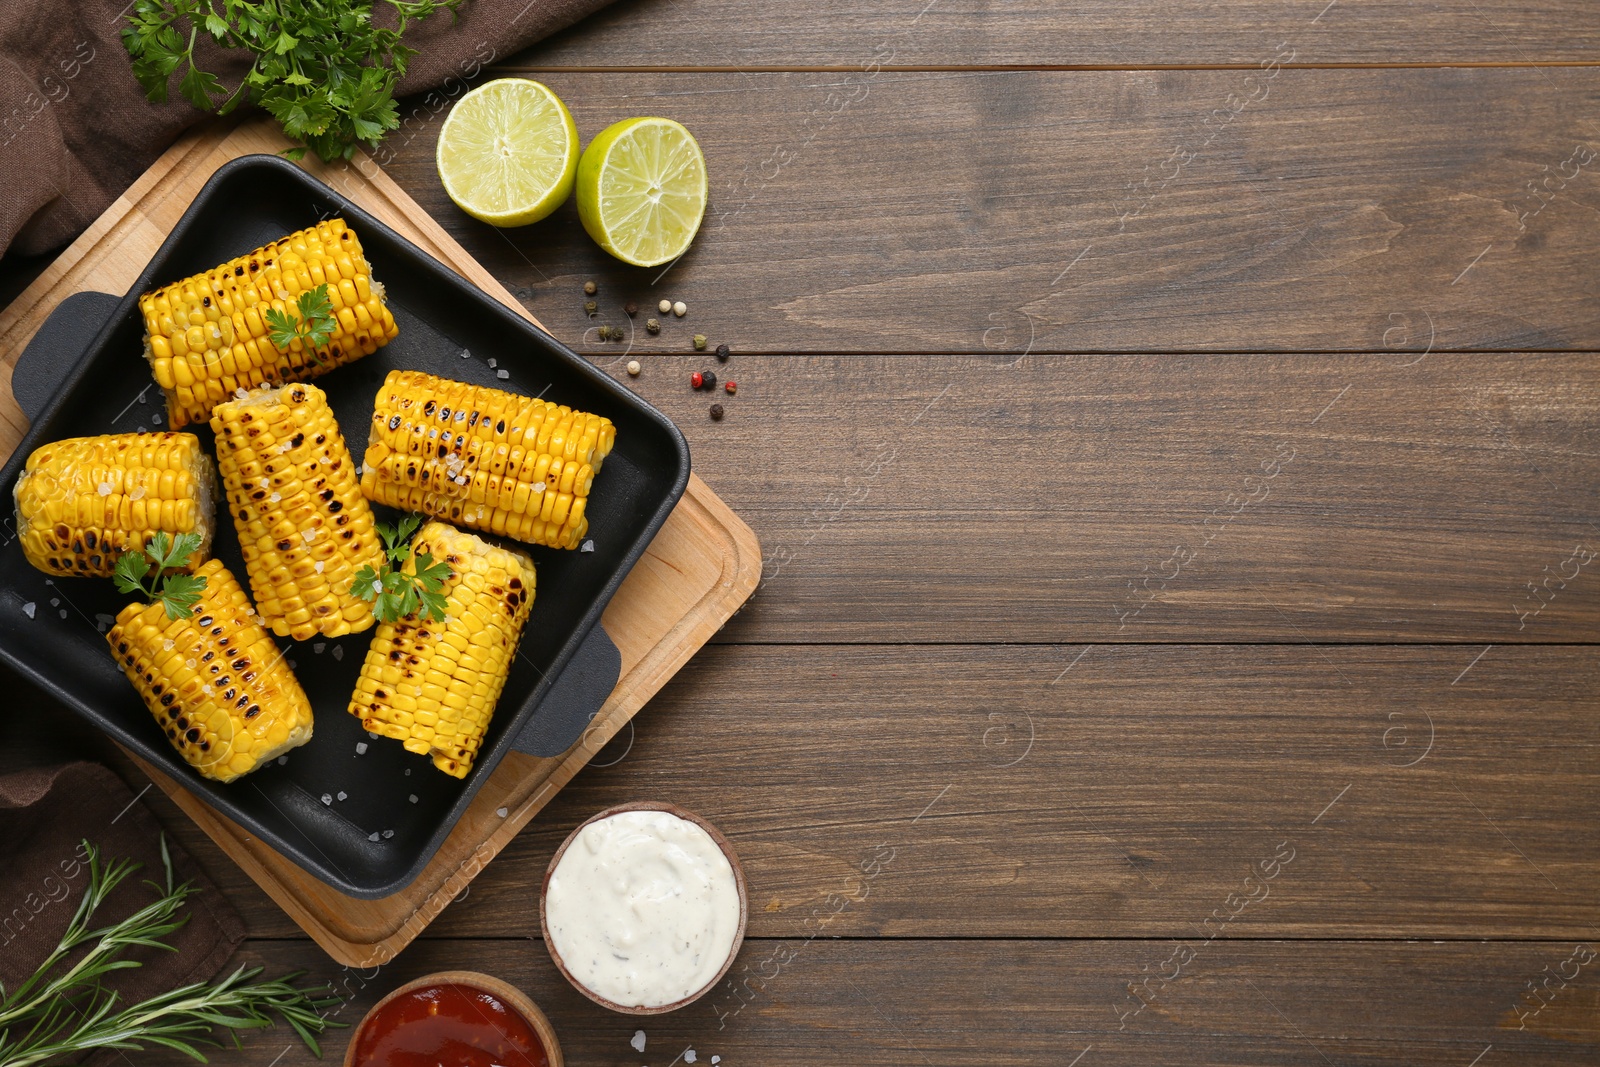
[493, 363]
[29, 608]
[62, 613]
[361, 748]
[388, 834]
[275, 497]
[169, 644]
[55, 602]
[502, 374]
[326, 799]
[466, 353]
[240, 393]
[311, 534]
[319, 646]
[343, 795]
[265, 484]
[318, 566]
[412, 798]
[338, 652]
[408, 769]
[372, 836]
[104, 488]
[502, 812]
[377, 586]
[689, 1055]
[291, 663]
[537, 487]
[588, 546]
[638, 1041]
[137, 494]
[282, 760]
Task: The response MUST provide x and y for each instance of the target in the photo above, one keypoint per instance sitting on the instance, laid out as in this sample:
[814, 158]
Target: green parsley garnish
[314, 325]
[323, 68]
[399, 594]
[146, 572]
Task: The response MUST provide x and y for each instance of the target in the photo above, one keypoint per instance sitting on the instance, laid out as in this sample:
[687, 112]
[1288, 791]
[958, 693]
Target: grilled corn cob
[215, 682]
[84, 501]
[206, 336]
[304, 527]
[505, 464]
[434, 685]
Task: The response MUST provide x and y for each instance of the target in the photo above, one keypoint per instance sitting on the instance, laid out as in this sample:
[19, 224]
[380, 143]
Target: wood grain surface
[976, 211]
[847, 34]
[1172, 432]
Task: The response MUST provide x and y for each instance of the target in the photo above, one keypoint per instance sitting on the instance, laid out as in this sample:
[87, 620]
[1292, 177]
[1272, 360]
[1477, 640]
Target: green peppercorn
[590, 307]
[652, 325]
[605, 333]
[699, 342]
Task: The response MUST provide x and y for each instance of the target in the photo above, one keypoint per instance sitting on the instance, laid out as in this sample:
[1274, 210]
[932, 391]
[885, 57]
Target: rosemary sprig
[54, 1014]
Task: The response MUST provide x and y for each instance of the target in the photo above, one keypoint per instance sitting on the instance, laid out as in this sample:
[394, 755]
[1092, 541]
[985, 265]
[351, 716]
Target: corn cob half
[206, 336]
[304, 527]
[215, 681]
[84, 501]
[509, 465]
[434, 685]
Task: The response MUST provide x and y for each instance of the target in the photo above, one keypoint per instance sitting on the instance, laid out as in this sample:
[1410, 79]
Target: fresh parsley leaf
[325, 69]
[146, 572]
[313, 322]
[397, 593]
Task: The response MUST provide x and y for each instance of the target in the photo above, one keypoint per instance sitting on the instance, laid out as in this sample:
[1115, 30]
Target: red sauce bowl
[384, 1037]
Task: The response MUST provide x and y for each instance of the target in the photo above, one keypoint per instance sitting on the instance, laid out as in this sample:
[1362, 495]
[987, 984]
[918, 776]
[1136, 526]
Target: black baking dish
[447, 327]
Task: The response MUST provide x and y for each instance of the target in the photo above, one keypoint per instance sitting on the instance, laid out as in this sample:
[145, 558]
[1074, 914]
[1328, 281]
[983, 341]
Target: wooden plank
[1424, 792]
[1048, 1003]
[972, 211]
[1103, 33]
[1123, 498]
[694, 575]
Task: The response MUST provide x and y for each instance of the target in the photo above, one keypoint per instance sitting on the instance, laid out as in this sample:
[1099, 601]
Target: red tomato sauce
[448, 1026]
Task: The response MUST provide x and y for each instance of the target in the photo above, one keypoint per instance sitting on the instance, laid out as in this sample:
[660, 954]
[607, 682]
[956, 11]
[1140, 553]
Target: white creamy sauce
[643, 908]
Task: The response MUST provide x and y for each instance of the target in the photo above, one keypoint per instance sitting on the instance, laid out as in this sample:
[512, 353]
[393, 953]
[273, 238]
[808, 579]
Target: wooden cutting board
[700, 568]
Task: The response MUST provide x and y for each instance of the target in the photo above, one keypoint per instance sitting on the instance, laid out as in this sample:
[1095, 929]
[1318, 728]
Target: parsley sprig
[322, 68]
[147, 572]
[314, 325]
[399, 594]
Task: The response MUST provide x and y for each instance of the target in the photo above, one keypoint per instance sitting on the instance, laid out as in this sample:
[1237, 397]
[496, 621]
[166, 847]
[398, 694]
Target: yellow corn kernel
[210, 326]
[434, 684]
[215, 681]
[304, 527]
[484, 458]
[84, 501]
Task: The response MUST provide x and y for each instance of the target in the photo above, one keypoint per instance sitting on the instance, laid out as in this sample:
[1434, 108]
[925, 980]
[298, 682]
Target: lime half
[508, 152]
[642, 190]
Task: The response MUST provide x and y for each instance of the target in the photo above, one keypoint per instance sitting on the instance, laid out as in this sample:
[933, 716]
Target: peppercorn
[633, 367]
[590, 288]
[731, 386]
[631, 309]
[716, 412]
[699, 342]
[590, 307]
[722, 353]
[680, 309]
[664, 307]
[710, 380]
[604, 332]
[696, 380]
[652, 325]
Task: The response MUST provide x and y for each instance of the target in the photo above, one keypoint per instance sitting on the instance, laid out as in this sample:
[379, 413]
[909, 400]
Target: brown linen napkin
[44, 815]
[76, 130]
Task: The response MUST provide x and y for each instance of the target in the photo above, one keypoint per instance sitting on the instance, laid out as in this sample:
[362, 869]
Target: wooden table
[1174, 428]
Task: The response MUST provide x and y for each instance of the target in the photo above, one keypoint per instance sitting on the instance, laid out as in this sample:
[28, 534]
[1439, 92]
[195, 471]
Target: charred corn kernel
[215, 681]
[206, 337]
[304, 527]
[506, 464]
[434, 685]
[84, 501]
